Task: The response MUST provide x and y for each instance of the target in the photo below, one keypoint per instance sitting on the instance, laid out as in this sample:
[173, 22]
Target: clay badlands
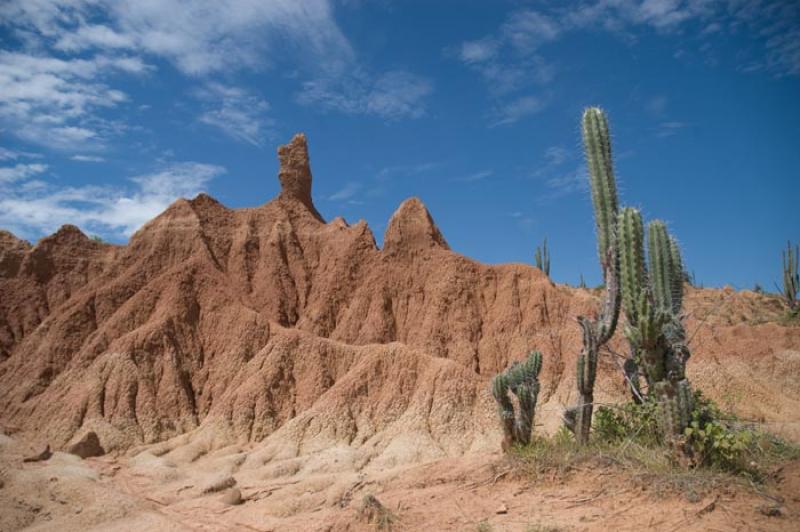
[265, 369]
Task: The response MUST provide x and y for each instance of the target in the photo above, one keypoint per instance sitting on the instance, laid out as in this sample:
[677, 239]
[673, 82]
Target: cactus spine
[521, 379]
[652, 304]
[542, 258]
[597, 145]
[791, 280]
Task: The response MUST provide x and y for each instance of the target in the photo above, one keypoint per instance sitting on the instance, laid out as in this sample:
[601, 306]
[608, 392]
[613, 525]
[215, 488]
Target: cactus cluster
[652, 296]
[542, 258]
[649, 289]
[522, 380]
[791, 279]
[596, 332]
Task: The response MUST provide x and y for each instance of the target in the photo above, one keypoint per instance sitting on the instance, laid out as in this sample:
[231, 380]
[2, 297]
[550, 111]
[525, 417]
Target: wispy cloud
[477, 176]
[12, 155]
[392, 95]
[55, 102]
[87, 158]
[559, 182]
[514, 110]
[513, 57]
[197, 37]
[406, 170]
[667, 129]
[234, 111]
[20, 172]
[555, 155]
[59, 86]
[346, 193]
[32, 208]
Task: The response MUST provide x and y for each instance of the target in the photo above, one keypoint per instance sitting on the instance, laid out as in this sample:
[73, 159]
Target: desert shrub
[716, 439]
[631, 421]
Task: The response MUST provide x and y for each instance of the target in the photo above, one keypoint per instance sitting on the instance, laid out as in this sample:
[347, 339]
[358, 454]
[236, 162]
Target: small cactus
[522, 380]
[791, 279]
[542, 258]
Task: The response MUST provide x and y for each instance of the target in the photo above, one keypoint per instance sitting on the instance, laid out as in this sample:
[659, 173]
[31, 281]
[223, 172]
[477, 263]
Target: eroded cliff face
[268, 324]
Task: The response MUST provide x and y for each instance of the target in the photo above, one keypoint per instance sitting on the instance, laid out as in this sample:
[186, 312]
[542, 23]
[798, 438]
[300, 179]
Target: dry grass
[375, 513]
[656, 467]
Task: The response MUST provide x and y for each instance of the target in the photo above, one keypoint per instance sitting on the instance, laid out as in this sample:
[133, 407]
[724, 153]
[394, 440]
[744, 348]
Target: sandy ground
[148, 492]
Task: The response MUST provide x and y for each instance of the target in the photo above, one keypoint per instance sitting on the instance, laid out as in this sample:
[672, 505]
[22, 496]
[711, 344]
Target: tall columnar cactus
[596, 332]
[542, 258]
[652, 303]
[522, 380]
[791, 280]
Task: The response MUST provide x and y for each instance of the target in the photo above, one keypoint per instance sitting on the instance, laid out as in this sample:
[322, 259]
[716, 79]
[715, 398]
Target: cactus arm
[677, 276]
[597, 145]
[633, 272]
[660, 264]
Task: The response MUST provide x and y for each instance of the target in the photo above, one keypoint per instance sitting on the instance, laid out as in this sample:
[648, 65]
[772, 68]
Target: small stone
[232, 497]
[502, 509]
[770, 510]
[87, 446]
[41, 457]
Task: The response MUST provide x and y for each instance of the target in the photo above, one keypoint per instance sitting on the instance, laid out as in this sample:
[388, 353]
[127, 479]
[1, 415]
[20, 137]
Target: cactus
[652, 304]
[542, 258]
[597, 144]
[791, 280]
[521, 379]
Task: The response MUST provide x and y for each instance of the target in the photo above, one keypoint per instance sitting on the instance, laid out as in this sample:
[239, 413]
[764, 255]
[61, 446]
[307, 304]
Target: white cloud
[555, 155]
[198, 37]
[406, 170]
[6, 154]
[20, 171]
[345, 193]
[527, 29]
[33, 208]
[87, 158]
[516, 109]
[513, 57]
[667, 129]
[53, 102]
[566, 183]
[478, 51]
[55, 89]
[392, 95]
[236, 112]
[477, 176]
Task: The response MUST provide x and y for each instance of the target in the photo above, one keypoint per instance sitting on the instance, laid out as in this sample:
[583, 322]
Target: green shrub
[631, 421]
[713, 439]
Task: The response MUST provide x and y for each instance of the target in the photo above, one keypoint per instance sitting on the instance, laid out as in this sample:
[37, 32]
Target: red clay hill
[270, 325]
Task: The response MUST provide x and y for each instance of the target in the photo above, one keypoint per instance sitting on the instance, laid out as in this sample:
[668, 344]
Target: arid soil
[294, 357]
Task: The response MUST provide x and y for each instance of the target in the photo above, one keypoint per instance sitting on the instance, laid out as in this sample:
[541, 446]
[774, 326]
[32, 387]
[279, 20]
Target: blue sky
[109, 110]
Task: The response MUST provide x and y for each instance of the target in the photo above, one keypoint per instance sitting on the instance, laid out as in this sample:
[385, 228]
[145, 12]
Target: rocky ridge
[268, 325]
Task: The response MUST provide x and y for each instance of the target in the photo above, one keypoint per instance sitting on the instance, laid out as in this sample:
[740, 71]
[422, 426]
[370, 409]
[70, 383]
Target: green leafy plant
[631, 421]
